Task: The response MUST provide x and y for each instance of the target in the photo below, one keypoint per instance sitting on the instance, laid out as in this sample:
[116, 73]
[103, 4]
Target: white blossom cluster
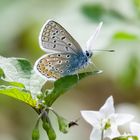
[105, 123]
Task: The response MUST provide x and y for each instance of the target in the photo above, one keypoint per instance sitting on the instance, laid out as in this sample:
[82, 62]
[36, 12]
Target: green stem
[102, 134]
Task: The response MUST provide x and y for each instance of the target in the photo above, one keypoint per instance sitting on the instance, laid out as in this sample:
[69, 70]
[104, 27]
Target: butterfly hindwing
[54, 38]
[57, 65]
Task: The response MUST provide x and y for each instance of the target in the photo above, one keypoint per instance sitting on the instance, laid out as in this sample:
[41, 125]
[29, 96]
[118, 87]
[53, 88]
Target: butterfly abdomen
[76, 62]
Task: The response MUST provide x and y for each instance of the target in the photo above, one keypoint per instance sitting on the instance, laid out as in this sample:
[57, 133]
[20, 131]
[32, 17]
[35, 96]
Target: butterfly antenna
[105, 50]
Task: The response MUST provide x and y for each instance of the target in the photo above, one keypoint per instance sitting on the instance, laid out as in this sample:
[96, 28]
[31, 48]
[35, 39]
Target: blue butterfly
[64, 55]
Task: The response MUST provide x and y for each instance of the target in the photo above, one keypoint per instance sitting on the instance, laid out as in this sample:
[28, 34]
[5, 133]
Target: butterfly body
[64, 55]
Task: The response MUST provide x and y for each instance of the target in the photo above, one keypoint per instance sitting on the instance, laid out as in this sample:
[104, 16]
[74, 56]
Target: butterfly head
[89, 54]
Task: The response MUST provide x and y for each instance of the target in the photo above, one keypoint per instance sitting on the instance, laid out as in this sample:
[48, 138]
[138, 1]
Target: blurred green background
[20, 24]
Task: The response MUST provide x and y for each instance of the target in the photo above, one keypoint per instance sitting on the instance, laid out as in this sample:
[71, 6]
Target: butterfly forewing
[54, 38]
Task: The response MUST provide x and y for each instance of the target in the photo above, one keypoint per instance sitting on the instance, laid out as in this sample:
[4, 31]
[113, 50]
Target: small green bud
[49, 130]
[39, 95]
[63, 124]
[35, 134]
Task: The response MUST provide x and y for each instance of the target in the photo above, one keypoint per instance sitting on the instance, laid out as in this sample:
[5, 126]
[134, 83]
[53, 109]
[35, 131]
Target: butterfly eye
[58, 55]
[88, 54]
[54, 41]
[69, 44]
[68, 71]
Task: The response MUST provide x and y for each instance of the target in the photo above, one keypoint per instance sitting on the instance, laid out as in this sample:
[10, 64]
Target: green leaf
[93, 12]
[16, 70]
[35, 84]
[6, 83]
[97, 13]
[126, 138]
[137, 6]
[20, 70]
[19, 94]
[125, 36]
[130, 73]
[64, 84]
[25, 66]
[112, 14]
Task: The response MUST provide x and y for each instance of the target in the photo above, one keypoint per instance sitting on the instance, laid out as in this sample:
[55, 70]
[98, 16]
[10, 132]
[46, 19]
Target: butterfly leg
[92, 66]
[77, 76]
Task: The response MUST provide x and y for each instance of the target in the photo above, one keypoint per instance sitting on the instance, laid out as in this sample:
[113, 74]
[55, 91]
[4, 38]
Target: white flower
[135, 129]
[105, 121]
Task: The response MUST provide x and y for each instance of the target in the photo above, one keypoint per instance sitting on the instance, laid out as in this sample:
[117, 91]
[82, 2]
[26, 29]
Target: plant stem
[102, 134]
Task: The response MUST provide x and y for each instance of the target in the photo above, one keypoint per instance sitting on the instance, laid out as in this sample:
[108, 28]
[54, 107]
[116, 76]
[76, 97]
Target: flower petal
[135, 128]
[96, 134]
[121, 119]
[92, 117]
[108, 107]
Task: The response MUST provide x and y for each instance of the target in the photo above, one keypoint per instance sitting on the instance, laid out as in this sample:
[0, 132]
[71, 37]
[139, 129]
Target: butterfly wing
[54, 38]
[57, 65]
[92, 39]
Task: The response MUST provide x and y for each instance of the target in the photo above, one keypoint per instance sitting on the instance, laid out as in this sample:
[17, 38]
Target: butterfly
[64, 54]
